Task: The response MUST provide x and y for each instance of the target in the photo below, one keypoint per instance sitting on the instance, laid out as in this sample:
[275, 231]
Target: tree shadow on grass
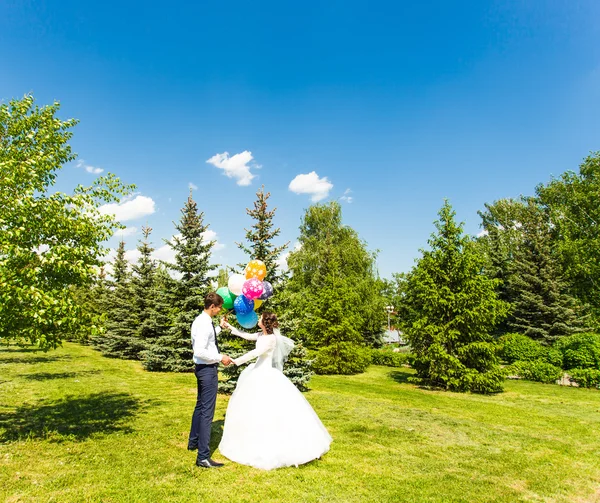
[30, 358]
[44, 376]
[401, 377]
[71, 418]
[15, 348]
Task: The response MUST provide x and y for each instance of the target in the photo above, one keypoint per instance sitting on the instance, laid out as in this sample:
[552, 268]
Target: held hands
[226, 360]
[225, 324]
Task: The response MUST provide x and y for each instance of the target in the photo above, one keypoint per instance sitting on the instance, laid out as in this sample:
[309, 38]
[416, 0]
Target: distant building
[393, 336]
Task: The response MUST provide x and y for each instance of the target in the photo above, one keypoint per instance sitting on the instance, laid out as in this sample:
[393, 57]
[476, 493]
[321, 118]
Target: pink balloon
[253, 288]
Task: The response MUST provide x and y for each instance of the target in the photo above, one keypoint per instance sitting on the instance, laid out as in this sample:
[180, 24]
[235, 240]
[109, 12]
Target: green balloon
[227, 296]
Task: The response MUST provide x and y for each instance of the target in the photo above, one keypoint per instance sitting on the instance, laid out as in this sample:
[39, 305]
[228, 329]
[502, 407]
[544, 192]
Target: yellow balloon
[257, 303]
[256, 269]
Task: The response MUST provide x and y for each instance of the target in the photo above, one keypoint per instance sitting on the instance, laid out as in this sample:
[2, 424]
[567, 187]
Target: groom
[206, 357]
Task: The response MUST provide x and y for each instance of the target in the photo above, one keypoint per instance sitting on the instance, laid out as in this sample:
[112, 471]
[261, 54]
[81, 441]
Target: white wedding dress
[269, 424]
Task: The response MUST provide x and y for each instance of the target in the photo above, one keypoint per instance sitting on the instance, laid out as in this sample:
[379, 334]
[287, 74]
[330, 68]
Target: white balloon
[236, 283]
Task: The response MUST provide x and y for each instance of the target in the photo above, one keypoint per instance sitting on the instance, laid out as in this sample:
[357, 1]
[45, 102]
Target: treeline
[534, 271]
[330, 301]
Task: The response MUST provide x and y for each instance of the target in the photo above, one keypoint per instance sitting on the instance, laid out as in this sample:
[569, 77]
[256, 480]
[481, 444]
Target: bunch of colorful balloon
[245, 293]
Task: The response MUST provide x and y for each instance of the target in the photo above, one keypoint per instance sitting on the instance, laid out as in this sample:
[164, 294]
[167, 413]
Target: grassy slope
[78, 427]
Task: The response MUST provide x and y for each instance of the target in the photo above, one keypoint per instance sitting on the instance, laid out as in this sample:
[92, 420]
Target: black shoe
[208, 463]
[192, 447]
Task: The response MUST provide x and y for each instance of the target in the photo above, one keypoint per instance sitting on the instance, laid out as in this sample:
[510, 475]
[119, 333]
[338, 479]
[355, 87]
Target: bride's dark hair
[269, 321]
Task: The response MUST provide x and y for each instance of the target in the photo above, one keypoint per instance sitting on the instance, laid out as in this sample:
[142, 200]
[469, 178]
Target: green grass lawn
[75, 426]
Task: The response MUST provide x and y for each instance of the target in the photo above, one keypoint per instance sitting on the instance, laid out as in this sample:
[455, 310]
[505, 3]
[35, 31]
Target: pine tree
[542, 307]
[452, 308]
[157, 353]
[119, 340]
[173, 351]
[260, 237]
[502, 223]
[299, 368]
[148, 294]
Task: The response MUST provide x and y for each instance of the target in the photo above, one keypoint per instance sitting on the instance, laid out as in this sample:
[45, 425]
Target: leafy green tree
[572, 203]
[333, 295]
[453, 307]
[50, 243]
[93, 300]
[260, 237]
[173, 351]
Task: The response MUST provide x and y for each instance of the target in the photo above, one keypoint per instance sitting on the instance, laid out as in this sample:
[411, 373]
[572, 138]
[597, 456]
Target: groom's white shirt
[203, 340]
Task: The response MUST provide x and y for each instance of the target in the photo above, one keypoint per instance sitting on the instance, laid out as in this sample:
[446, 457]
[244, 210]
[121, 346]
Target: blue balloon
[243, 305]
[267, 291]
[248, 320]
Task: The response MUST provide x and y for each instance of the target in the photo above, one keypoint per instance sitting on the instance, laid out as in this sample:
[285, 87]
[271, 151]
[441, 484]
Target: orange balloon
[256, 269]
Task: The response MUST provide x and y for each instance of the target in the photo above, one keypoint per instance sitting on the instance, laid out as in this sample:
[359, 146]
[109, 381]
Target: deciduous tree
[50, 242]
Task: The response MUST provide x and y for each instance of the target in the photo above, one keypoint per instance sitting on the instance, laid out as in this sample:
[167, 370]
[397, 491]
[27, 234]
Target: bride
[269, 424]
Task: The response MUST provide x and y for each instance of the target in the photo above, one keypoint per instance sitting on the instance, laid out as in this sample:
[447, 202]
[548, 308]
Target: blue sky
[393, 106]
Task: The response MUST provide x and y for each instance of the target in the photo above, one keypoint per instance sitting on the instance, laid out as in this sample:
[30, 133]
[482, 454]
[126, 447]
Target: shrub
[580, 351]
[519, 347]
[483, 382]
[537, 370]
[388, 358]
[586, 378]
[342, 358]
[479, 373]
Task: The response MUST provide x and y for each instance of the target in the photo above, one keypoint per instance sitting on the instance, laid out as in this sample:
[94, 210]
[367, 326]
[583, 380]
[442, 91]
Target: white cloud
[108, 260]
[482, 232]
[132, 256]
[167, 254]
[281, 262]
[236, 166]
[164, 253]
[127, 231]
[347, 197]
[310, 183]
[90, 169]
[192, 186]
[211, 235]
[130, 209]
